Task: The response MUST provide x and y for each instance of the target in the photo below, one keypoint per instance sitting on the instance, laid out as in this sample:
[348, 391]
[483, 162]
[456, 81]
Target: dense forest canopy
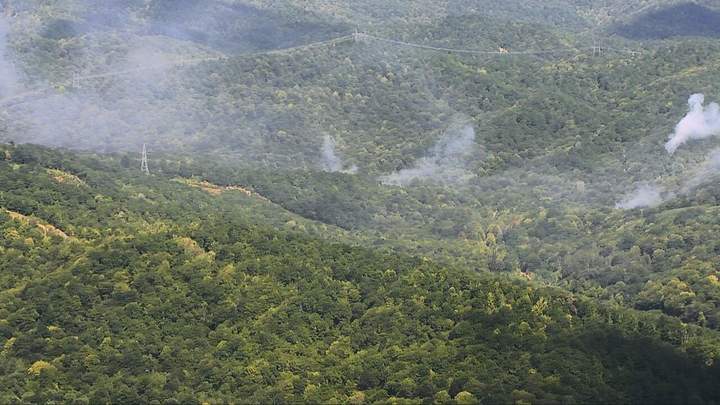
[125, 288]
[457, 201]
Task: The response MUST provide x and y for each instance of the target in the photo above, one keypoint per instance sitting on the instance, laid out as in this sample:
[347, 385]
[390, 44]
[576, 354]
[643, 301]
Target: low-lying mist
[646, 195]
[106, 114]
[132, 88]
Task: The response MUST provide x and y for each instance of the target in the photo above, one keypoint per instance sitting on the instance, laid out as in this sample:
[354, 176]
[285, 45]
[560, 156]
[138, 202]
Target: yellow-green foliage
[212, 306]
[39, 366]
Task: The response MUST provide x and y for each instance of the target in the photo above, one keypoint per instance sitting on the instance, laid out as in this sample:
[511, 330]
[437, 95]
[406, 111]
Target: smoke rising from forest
[446, 162]
[331, 161]
[703, 173]
[653, 195]
[190, 106]
[646, 195]
[700, 122]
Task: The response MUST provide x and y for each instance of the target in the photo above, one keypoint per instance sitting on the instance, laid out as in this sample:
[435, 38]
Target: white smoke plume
[704, 173]
[331, 161]
[445, 164]
[701, 122]
[652, 195]
[646, 195]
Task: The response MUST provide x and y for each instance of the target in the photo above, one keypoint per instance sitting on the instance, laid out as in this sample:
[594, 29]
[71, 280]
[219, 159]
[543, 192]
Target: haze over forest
[455, 201]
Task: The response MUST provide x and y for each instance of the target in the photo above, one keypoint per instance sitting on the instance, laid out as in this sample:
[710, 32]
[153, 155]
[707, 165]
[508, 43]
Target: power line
[498, 52]
[357, 37]
[75, 82]
[76, 78]
[333, 41]
[463, 51]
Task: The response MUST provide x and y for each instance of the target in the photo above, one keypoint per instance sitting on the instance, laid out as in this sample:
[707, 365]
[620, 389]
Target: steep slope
[385, 105]
[560, 139]
[183, 300]
[660, 258]
[228, 27]
[687, 19]
[570, 15]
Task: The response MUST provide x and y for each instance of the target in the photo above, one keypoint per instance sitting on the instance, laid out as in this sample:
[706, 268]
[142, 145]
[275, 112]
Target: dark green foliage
[687, 19]
[655, 259]
[274, 282]
[60, 29]
[165, 293]
[233, 28]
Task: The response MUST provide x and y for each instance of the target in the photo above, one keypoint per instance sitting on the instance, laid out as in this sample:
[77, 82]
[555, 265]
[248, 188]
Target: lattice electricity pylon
[358, 36]
[76, 81]
[144, 161]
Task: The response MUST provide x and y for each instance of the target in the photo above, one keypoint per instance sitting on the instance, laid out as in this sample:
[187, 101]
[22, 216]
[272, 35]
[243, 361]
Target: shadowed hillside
[119, 288]
[682, 20]
[232, 27]
[360, 201]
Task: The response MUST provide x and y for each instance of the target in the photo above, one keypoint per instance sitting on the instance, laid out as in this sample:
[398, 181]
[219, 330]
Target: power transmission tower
[597, 48]
[76, 81]
[358, 36]
[144, 162]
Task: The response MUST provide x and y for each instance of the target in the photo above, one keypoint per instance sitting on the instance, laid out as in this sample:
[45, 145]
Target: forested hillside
[385, 105]
[453, 201]
[114, 292]
[662, 258]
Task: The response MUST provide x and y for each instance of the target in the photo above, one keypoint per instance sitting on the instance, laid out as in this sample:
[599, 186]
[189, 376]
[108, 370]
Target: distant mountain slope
[568, 15]
[681, 20]
[235, 271]
[234, 28]
[572, 116]
[223, 26]
[385, 105]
